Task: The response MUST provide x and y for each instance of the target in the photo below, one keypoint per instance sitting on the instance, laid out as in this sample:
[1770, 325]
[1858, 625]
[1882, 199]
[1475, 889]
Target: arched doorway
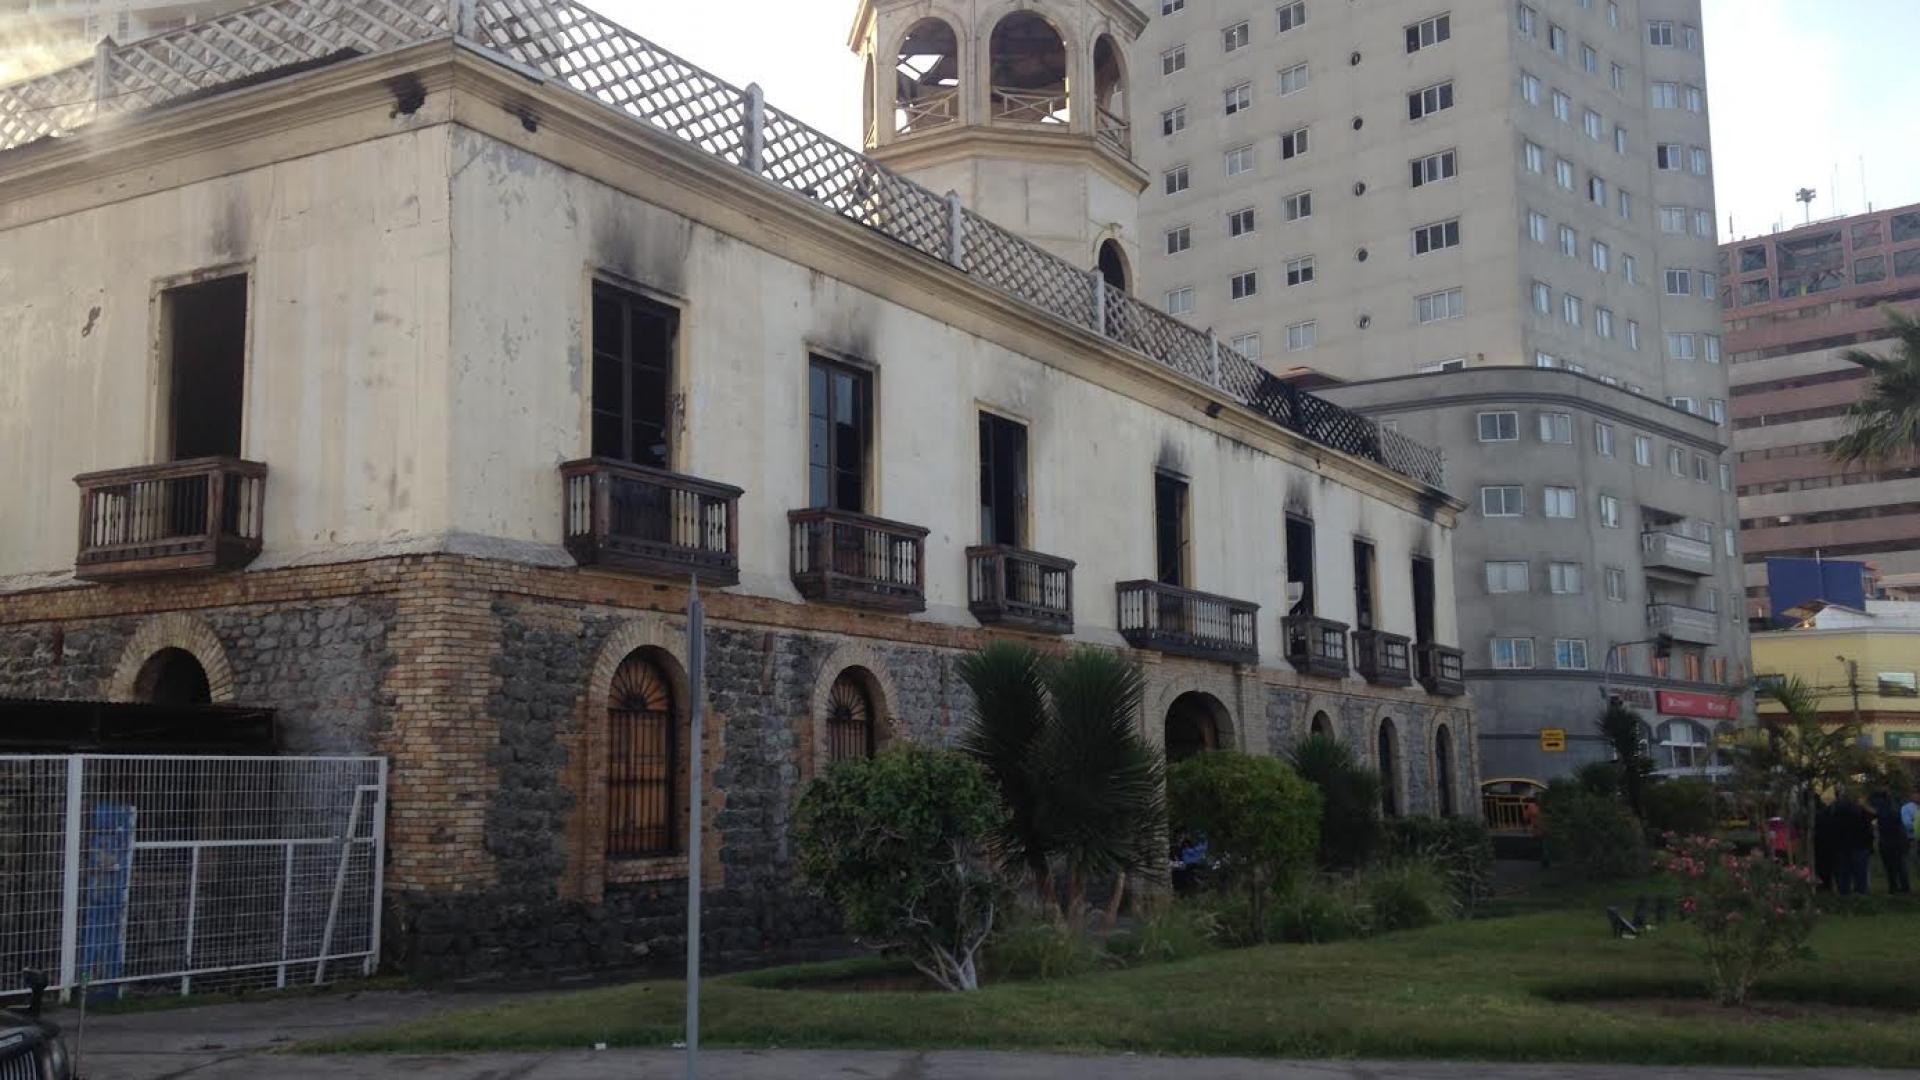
[1113, 265]
[1443, 771]
[1029, 71]
[1110, 92]
[852, 720]
[1389, 763]
[1322, 725]
[644, 771]
[173, 676]
[1195, 722]
[926, 90]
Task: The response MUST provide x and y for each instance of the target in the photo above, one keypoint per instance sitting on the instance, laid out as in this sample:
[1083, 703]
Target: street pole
[697, 663]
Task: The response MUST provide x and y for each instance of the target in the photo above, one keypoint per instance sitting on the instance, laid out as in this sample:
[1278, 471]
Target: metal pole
[70, 879]
[696, 663]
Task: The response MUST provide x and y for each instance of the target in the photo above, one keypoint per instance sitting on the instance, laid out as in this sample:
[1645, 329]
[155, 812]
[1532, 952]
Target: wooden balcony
[1441, 669]
[1383, 659]
[1021, 590]
[203, 514]
[859, 561]
[1182, 622]
[650, 521]
[1316, 646]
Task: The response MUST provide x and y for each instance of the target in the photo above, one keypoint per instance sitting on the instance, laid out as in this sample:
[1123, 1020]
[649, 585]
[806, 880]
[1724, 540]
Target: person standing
[1852, 844]
[1893, 841]
[1909, 812]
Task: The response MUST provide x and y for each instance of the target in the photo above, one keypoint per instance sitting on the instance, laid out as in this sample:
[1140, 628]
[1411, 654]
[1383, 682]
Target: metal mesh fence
[190, 873]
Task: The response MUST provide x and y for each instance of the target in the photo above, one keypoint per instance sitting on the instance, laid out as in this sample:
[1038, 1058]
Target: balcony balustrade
[1383, 659]
[651, 521]
[202, 514]
[1441, 669]
[1182, 622]
[857, 560]
[1316, 646]
[1021, 590]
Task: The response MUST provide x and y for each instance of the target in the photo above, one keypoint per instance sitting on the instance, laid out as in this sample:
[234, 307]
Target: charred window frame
[1363, 584]
[204, 337]
[1423, 600]
[634, 339]
[1003, 481]
[1299, 540]
[839, 435]
[1171, 536]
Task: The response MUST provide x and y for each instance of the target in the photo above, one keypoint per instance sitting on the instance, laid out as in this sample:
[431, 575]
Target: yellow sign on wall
[1553, 740]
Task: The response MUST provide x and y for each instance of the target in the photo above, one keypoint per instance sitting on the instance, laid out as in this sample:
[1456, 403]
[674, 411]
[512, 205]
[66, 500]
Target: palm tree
[1886, 422]
[1622, 729]
[1789, 760]
[1083, 790]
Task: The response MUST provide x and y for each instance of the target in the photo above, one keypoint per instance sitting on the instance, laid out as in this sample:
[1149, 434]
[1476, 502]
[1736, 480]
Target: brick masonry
[481, 681]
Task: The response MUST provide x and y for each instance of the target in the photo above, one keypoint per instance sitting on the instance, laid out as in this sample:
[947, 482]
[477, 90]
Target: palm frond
[1008, 686]
[1102, 782]
[1885, 422]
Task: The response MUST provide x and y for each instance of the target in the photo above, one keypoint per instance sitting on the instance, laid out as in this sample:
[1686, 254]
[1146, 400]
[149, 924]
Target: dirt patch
[1757, 1012]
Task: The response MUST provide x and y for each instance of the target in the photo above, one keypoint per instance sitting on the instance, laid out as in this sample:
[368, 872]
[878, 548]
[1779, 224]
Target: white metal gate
[201, 872]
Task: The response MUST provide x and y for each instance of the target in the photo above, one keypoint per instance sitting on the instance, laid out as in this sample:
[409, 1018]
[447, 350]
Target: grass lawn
[1524, 987]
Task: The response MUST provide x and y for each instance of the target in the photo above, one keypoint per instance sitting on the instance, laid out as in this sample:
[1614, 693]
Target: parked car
[31, 1048]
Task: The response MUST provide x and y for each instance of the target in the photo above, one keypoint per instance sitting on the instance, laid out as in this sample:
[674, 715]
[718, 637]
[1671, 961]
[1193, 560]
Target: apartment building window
[1440, 234]
[1630, 269]
[1536, 159]
[1616, 584]
[1603, 323]
[1677, 461]
[1697, 155]
[839, 435]
[1003, 481]
[1174, 120]
[1545, 360]
[1173, 60]
[1176, 180]
[1569, 241]
[1507, 577]
[1716, 410]
[1503, 500]
[1703, 224]
[1439, 306]
[1620, 146]
[1239, 98]
[1600, 254]
[1430, 100]
[1570, 308]
[1247, 345]
[1235, 37]
[1563, 578]
[1686, 405]
[1696, 99]
[1643, 451]
[1690, 37]
[1713, 601]
[1302, 335]
[1524, 18]
[1170, 529]
[1433, 168]
[1556, 427]
[1562, 107]
[1536, 227]
[1597, 191]
[1589, 59]
[1557, 40]
[1673, 219]
[205, 378]
[1726, 479]
[1293, 80]
[1300, 564]
[1300, 271]
[1727, 540]
[1660, 33]
[1240, 160]
[1170, 7]
[1669, 157]
[1291, 16]
[1179, 239]
[1591, 123]
[1180, 301]
[1570, 654]
[1240, 222]
[1512, 653]
[1560, 502]
[634, 340]
[1708, 282]
[1678, 282]
[1530, 88]
[1603, 439]
[1245, 284]
[1499, 426]
[1609, 511]
[1297, 206]
[1293, 144]
[1563, 173]
[1458, 363]
[1664, 95]
[1542, 298]
[1427, 33]
[1712, 342]
[1700, 470]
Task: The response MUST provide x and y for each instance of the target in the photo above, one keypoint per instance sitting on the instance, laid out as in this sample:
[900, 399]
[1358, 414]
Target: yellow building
[1859, 662]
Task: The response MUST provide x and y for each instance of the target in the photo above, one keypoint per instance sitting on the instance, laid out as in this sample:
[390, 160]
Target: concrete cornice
[356, 100]
[958, 142]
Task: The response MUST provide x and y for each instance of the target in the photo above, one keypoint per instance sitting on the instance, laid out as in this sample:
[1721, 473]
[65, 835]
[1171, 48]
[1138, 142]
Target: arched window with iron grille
[851, 719]
[642, 759]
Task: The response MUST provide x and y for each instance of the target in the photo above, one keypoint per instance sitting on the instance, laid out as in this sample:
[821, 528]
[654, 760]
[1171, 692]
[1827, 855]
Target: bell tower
[1019, 106]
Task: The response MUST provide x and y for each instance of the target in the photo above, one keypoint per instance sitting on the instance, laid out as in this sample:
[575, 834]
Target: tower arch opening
[926, 78]
[1110, 119]
[1028, 65]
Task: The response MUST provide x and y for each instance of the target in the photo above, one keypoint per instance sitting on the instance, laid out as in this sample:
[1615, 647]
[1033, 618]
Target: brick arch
[174, 630]
[812, 736]
[1162, 693]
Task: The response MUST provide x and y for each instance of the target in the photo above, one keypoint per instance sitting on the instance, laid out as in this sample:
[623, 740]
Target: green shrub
[1041, 949]
[898, 844]
[1600, 778]
[1684, 806]
[1176, 932]
[1323, 909]
[1593, 834]
[1349, 801]
[1409, 893]
[1460, 847]
[1260, 820]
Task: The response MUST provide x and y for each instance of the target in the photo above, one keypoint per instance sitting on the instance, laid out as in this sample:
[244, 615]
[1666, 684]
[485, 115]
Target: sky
[1801, 92]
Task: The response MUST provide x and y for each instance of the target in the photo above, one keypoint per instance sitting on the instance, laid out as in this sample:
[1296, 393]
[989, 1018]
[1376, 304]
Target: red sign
[1706, 706]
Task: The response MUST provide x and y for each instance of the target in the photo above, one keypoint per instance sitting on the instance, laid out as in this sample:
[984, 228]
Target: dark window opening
[1003, 481]
[1443, 770]
[1422, 600]
[173, 677]
[839, 432]
[1389, 771]
[1113, 265]
[1363, 584]
[1299, 566]
[633, 342]
[206, 366]
[1170, 528]
[1192, 726]
[851, 719]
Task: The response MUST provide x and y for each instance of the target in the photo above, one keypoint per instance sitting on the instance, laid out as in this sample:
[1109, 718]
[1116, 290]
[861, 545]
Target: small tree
[1259, 819]
[898, 844]
[1349, 800]
[1626, 735]
[1753, 913]
[1794, 755]
[1593, 833]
